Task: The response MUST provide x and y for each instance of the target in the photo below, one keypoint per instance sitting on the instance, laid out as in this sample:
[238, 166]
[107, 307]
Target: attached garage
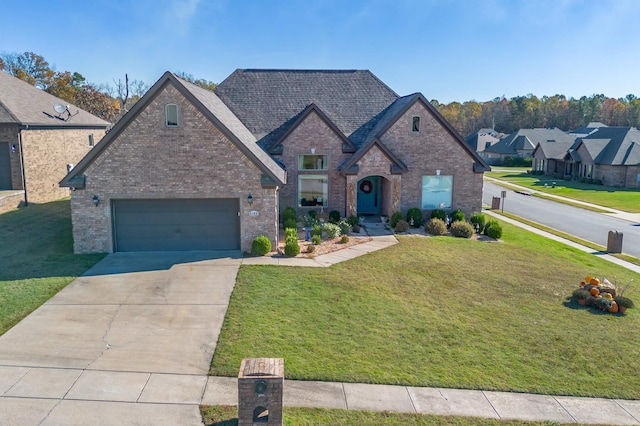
[176, 224]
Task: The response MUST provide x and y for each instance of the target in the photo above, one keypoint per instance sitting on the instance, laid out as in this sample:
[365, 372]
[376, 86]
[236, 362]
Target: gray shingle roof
[617, 146]
[528, 139]
[22, 103]
[266, 101]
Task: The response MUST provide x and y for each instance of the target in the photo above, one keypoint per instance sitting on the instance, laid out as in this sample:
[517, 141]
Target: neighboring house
[483, 139]
[586, 130]
[555, 158]
[38, 145]
[611, 155]
[522, 143]
[187, 168]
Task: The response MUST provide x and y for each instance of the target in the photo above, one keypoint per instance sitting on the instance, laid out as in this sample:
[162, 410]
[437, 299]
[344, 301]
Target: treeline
[107, 101]
[508, 115]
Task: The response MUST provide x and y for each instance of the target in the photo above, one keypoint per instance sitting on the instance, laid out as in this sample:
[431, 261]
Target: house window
[171, 114]
[313, 190]
[437, 192]
[312, 162]
[415, 124]
[91, 139]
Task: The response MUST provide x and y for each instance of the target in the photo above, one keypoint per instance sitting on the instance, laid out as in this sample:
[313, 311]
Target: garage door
[165, 225]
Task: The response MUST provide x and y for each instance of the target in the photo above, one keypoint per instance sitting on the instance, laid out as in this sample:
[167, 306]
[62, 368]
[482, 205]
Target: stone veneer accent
[149, 160]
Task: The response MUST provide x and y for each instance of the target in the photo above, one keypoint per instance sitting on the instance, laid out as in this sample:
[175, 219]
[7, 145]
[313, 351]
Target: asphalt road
[585, 224]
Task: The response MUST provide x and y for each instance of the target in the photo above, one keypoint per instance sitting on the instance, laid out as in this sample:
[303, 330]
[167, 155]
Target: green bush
[290, 223]
[316, 239]
[334, 216]
[261, 245]
[438, 214]
[292, 248]
[344, 239]
[308, 221]
[317, 230]
[331, 229]
[313, 214]
[288, 213]
[478, 219]
[290, 233]
[395, 217]
[436, 226]
[344, 227]
[353, 220]
[402, 226]
[414, 217]
[457, 215]
[493, 229]
[462, 229]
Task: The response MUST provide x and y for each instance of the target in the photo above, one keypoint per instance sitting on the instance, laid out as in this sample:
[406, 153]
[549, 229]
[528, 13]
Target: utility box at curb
[260, 391]
[614, 242]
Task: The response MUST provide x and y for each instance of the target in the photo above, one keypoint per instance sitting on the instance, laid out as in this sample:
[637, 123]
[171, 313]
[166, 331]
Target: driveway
[134, 326]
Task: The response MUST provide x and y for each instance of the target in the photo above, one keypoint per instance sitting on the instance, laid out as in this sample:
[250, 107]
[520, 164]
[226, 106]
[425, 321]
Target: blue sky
[450, 50]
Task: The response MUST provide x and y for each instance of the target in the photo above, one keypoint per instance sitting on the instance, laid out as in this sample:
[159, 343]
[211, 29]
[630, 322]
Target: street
[585, 224]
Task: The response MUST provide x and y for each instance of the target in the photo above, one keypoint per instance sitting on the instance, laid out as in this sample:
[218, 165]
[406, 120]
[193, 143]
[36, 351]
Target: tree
[32, 68]
[205, 84]
[97, 103]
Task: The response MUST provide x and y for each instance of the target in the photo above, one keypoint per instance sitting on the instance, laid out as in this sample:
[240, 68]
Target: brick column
[260, 391]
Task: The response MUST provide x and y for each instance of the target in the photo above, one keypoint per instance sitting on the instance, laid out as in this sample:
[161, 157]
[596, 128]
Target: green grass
[36, 258]
[223, 415]
[440, 312]
[615, 198]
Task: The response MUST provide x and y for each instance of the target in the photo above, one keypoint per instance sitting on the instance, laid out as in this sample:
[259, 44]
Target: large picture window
[313, 190]
[312, 162]
[436, 192]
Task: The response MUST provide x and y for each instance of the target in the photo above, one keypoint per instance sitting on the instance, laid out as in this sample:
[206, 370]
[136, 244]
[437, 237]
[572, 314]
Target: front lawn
[439, 312]
[616, 198]
[36, 258]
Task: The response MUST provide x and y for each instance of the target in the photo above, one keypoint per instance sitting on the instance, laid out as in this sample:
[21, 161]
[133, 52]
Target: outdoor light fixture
[250, 199]
[13, 148]
[96, 200]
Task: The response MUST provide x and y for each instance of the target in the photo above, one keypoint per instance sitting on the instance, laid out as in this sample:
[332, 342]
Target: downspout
[24, 178]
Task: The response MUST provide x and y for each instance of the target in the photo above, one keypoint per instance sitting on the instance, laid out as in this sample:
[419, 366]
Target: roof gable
[614, 145]
[525, 139]
[210, 106]
[24, 104]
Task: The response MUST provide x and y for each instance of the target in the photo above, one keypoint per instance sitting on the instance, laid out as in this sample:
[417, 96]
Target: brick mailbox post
[260, 389]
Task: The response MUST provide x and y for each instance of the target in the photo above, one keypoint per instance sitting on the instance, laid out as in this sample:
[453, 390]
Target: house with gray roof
[482, 139]
[187, 168]
[41, 138]
[522, 143]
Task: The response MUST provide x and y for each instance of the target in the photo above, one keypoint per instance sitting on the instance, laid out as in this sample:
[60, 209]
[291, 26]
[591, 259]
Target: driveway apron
[131, 320]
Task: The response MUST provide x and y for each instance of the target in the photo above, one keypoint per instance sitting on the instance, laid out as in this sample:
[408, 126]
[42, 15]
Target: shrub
[395, 217]
[344, 239]
[311, 248]
[493, 229]
[261, 245]
[344, 227]
[402, 226]
[317, 230]
[292, 248]
[334, 216]
[290, 233]
[457, 215]
[438, 214]
[479, 220]
[436, 226]
[288, 213]
[353, 220]
[308, 221]
[313, 214]
[331, 229]
[356, 228]
[290, 223]
[316, 239]
[462, 229]
[414, 217]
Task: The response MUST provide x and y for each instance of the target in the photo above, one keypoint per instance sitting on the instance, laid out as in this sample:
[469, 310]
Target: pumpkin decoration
[606, 295]
[614, 308]
[594, 292]
[594, 281]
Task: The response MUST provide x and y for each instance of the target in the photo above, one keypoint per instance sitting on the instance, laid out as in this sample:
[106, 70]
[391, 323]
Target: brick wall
[313, 133]
[149, 160]
[625, 176]
[431, 149]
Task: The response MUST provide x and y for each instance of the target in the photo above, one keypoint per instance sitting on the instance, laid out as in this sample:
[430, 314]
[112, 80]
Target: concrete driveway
[133, 328]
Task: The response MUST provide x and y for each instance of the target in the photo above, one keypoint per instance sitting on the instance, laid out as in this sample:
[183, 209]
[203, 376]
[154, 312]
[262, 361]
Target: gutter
[24, 178]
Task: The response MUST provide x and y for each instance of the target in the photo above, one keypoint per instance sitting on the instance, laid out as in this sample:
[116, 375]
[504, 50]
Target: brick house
[188, 168]
[38, 144]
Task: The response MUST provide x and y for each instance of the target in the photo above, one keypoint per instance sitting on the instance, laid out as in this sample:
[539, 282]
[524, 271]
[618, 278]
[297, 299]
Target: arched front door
[369, 195]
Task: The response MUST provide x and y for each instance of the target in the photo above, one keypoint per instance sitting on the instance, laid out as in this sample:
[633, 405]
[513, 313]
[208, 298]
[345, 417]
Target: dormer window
[415, 124]
[171, 115]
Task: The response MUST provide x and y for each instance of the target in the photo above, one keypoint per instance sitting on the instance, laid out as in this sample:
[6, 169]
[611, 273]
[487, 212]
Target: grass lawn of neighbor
[36, 258]
[616, 198]
[441, 312]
